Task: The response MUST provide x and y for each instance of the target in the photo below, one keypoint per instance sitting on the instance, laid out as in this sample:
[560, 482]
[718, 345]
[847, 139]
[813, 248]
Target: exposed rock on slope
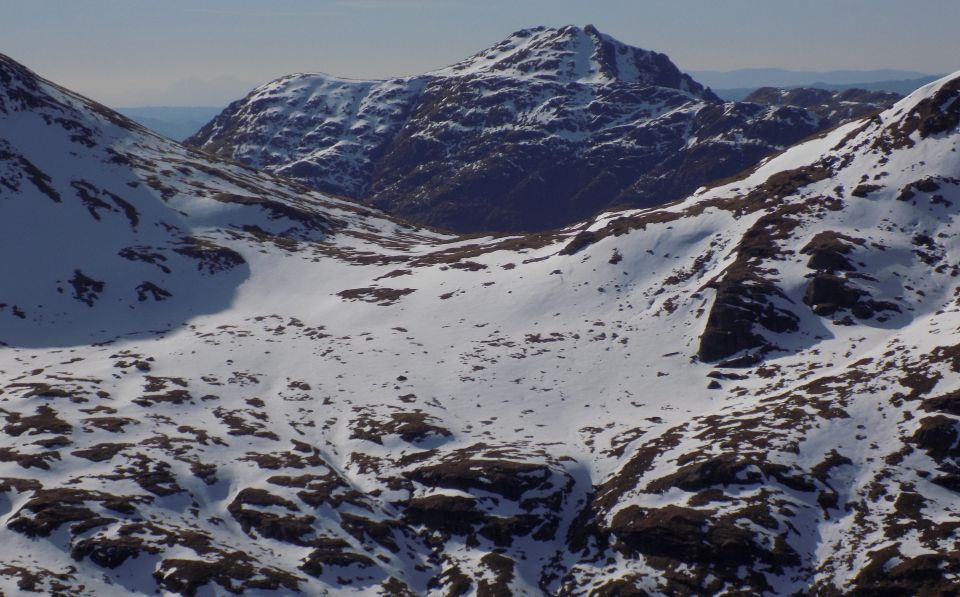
[542, 130]
[371, 410]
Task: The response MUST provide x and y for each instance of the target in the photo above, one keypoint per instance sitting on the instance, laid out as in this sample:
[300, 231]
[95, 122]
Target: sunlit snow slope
[215, 381]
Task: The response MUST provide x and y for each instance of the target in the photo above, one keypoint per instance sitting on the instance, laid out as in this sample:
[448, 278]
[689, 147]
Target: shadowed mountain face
[543, 129]
[221, 382]
[112, 230]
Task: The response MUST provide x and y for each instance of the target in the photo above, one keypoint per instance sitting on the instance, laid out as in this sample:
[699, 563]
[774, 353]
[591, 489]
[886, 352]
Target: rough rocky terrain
[215, 381]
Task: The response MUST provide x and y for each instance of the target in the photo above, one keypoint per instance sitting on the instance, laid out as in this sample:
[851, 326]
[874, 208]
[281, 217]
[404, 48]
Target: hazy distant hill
[189, 91]
[779, 77]
[175, 122]
[900, 87]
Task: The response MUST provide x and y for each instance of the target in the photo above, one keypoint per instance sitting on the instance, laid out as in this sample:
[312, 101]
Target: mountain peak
[575, 54]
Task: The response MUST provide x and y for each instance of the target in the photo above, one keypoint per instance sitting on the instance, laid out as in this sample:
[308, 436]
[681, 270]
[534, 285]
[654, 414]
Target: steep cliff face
[215, 381]
[541, 130]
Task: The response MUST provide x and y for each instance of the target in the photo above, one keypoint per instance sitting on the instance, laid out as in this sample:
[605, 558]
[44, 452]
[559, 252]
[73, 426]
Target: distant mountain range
[900, 87]
[778, 77]
[547, 127]
[831, 106]
[736, 85]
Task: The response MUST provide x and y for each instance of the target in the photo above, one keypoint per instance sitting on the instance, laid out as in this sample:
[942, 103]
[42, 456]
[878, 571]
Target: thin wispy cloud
[368, 4]
[339, 4]
[243, 13]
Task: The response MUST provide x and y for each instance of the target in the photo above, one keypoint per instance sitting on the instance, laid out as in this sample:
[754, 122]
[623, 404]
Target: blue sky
[111, 49]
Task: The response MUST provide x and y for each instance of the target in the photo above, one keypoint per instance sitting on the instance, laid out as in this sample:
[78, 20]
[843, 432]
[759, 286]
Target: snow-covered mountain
[541, 130]
[214, 380]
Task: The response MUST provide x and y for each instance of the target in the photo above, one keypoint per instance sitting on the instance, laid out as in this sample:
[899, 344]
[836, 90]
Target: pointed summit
[574, 54]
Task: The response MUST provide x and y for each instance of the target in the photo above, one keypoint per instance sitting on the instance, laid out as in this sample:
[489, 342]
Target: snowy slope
[753, 389]
[542, 130]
